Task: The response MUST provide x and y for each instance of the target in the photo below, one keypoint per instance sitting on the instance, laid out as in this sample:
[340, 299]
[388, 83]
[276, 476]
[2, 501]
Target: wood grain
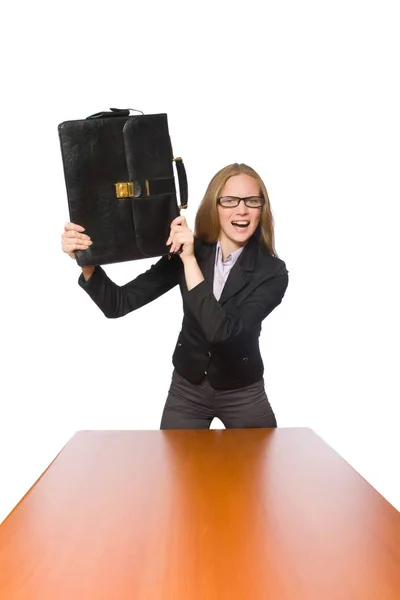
[200, 515]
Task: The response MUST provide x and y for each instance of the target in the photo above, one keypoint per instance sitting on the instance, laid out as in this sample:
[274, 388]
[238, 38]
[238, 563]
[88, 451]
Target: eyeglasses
[233, 201]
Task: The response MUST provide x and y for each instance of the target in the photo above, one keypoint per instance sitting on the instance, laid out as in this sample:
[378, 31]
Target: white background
[306, 93]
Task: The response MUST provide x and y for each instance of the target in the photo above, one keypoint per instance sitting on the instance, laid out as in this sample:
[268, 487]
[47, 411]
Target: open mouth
[241, 226]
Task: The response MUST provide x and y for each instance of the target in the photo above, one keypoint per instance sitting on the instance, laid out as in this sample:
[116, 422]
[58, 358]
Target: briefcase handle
[114, 112]
[183, 184]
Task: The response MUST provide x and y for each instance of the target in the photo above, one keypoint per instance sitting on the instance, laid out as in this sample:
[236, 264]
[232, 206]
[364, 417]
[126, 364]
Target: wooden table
[200, 515]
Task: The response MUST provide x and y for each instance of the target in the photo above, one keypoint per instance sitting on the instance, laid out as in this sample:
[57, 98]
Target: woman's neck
[228, 246]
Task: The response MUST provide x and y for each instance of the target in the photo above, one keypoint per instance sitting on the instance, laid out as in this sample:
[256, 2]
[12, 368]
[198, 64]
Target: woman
[230, 279]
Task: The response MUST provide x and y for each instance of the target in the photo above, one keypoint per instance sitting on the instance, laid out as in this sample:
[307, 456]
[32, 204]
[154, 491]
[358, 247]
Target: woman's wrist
[188, 259]
[87, 272]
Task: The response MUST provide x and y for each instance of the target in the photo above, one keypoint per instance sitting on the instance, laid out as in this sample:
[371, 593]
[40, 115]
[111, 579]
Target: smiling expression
[232, 235]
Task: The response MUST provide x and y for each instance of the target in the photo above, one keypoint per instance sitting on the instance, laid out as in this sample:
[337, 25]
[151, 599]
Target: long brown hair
[207, 227]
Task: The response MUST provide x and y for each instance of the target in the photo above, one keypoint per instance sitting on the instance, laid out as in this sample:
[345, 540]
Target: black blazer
[220, 338]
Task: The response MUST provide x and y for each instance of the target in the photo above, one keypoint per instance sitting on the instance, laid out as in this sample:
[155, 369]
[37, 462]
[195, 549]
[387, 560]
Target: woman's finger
[72, 233]
[71, 245]
[76, 241]
[179, 229]
[72, 248]
[178, 221]
[175, 245]
[181, 240]
[73, 226]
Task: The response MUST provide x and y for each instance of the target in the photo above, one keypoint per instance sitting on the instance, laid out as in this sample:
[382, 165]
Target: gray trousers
[193, 406]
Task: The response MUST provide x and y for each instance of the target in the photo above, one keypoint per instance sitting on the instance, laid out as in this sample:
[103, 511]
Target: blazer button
[209, 354]
[245, 359]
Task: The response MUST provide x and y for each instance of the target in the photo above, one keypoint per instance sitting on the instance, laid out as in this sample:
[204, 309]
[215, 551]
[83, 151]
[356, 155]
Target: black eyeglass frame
[239, 201]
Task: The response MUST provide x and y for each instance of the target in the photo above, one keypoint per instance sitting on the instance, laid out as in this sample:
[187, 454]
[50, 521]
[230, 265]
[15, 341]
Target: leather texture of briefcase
[120, 184]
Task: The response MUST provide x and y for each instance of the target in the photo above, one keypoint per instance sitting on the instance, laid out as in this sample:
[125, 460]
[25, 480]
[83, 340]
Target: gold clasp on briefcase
[126, 189]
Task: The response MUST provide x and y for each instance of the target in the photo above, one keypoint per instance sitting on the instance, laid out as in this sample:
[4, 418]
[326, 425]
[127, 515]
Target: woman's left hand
[181, 235]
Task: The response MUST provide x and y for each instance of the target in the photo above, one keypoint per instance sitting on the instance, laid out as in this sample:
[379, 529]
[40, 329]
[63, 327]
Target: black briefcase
[120, 184]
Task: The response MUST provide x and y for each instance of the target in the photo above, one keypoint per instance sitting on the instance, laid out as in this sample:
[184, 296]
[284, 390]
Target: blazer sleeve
[220, 324]
[116, 301]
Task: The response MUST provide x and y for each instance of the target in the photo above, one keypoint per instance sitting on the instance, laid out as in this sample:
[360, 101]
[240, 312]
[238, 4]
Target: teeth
[240, 222]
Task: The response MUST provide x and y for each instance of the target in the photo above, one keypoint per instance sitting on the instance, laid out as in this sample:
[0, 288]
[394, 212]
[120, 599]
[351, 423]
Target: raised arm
[116, 301]
[112, 299]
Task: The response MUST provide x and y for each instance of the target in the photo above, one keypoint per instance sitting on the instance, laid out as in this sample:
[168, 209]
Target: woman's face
[239, 223]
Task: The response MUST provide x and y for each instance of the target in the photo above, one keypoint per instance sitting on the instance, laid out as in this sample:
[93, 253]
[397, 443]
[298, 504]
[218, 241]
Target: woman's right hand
[73, 239]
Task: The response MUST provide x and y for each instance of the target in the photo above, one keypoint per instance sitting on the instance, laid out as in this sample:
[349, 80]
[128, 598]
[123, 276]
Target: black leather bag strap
[183, 184]
[114, 112]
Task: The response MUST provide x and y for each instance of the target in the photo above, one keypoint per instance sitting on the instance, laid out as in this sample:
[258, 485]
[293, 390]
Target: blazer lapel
[237, 279]
[241, 271]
